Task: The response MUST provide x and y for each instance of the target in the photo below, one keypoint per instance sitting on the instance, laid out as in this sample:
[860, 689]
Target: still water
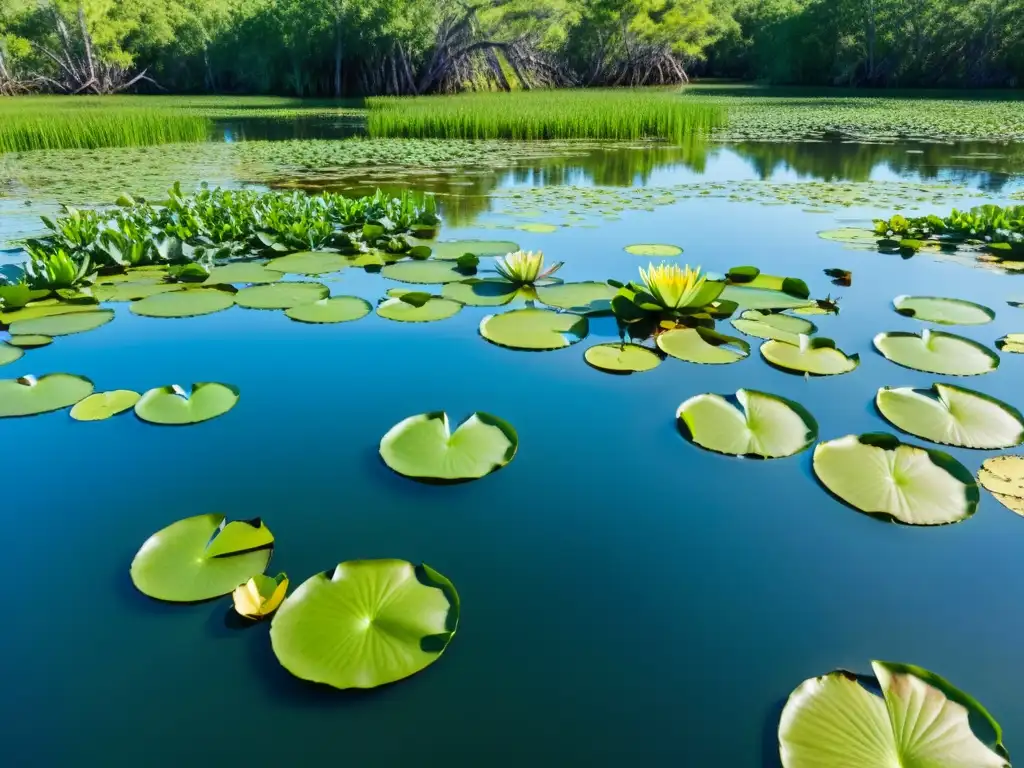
[626, 596]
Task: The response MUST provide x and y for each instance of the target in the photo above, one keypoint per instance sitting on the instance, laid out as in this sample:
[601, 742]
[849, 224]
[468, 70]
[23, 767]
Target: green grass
[625, 114]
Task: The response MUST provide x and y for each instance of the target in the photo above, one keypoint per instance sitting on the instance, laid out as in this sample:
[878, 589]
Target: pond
[625, 594]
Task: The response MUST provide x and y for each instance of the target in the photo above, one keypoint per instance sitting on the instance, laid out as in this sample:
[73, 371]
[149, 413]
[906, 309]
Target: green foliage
[1001, 229]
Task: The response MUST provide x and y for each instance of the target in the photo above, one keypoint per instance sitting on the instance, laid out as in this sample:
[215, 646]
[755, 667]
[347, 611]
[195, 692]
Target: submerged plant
[525, 267]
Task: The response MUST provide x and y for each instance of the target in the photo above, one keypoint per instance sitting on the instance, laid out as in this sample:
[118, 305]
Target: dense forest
[356, 47]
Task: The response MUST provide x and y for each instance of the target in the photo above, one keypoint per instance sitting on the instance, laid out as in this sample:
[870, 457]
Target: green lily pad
[424, 447]
[654, 250]
[1011, 342]
[919, 720]
[618, 357]
[103, 405]
[747, 296]
[817, 356]
[30, 340]
[535, 329]
[765, 325]
[28, 396]
[171, 405]
[455, 249]
[702, 345]
[583, 298]
[952, 415]
[856, 236]
[201, 557]
[44, 308]
[1003, 477]
[476, 292]
[63, 325]
[879, 475]
[281, 295]
[428, 272]
[308, 263]
[934, 309]
[10, 353]
[337, 309]
[937, 352]
[203, 301]
[369, 623]
[432, 309]
[132, 291]
[538, 228]
[243, 272]
[756, 424]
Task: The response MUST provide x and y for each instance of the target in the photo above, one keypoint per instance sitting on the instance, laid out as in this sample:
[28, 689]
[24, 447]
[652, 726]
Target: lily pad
[583, 298]
[63, 325]
[952, 415]
[766, 325]
[748, 296]
[103, 405]
[937, 352]
[618, 357]
[856, 236]
[476, 292]
[307, 263]
[44, 308]
[193, 303]
[432, 309]
[817, 356]
[172, 405]
[1011, 342]
[1003, 477]
[10, 353]
[879, 475]
[428, 272]
[654, 250]
[30, 340]
[934, 309]
[243, 272]
[919, 720]
[424, 447]
[281, 295]
[337, 309]
[201, 557]
[455, 249]
[750, 424]
[28, 395]
[121, 291]
[538, 228]
[534, 329]
[702, 345]
[369, 623]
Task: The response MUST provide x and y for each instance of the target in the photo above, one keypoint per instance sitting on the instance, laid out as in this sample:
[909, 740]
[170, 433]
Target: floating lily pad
[172, 405]
[538, 228]
[63, 325]
[455, 249]
[906, 717]
[817, 356]
[103, 405]
[244, 272]
[486, 292]
[423, 446]
[702, 345]
[10, 353]
[879, 475]
[654, 250]
[952, 415]
[368, 623]
[201, 557]
[856, 236]
[1003, 477]
[44, 308]
[583, 298]
[756, 424]
[937, 352]
[307, 263]
[1011, 342]
[132, 291]
[934, 309]
[431, 309]
[337, 309]
[765, 325]
[191, 303]
[424, 272]
[28, 396]
[749, 297]
[281, 295]
[535, 329]
[30, 340]
[618, 357]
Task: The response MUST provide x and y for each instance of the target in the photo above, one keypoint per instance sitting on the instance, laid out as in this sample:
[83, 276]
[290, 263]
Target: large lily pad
[455, 249]
[424, 272]
[337, 309]
[750, 424]
[190, 303]
[935, 309]
[768, 325]
[852, 236]
[307, 263]
[654, 250]
[619, 357]
[63, 325]
[486, 292]
[424, 447]
[583, 298]
[368, 623]
[201, 557]
[30, 340]
[879, 475]
[103, 405]
[1003, 477]
[920, 720]
[172, 405]
[243, 272]
[952, 415]
[10, 353]
[28, 395]
[534, 329]
[702, 345]
[817, 356]
[749, 296]
[281, 295]
[121, 291]
[937, 352]
[44, 308]
[416, 307]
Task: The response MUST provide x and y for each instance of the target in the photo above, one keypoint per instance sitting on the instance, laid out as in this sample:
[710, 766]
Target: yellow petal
[275, 599]
[247, 599]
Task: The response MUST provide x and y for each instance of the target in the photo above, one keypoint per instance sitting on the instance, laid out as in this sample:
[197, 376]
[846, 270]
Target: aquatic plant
[260, 596]
[667, 296]
[999, 230]
[1003, 477]
[525, 267]
[424, 446]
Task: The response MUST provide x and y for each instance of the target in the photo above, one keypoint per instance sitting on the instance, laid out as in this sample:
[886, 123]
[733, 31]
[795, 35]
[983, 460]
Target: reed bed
[542, 115]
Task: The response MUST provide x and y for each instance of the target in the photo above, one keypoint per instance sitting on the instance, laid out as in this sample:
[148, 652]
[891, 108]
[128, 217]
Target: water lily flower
[524, 267]
[674, 288]
[260, 596]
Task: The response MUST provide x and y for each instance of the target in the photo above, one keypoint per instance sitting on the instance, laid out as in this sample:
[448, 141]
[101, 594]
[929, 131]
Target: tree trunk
[338, 53]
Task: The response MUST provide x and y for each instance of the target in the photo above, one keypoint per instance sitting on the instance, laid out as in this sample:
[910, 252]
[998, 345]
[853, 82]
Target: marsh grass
[626, 114]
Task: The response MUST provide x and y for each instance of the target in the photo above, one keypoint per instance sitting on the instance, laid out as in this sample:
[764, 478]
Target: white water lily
[524, 267]
[673, 287]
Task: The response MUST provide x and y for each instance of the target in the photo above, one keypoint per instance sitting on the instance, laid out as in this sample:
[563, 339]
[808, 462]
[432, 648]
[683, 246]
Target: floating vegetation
[817, 356]
[952, 415]
[28, 396]
[260, 596]
[620, 357]
[10, 353]
[702, 345]
[103, 405]
[1011, 342]
[936, 352]
[455, 249]
[654, 250]
[534, 329]
[62, 325]
[242, 272]
[307, 263]
[485, 292]
[30, 340]
[191, 303]
[1003, 477]
[765, 325]
[582, 298]
[425, 272]
[280, 295]
[173, 406]
[877, 474]
[337, 309]
[934, 309]
[416, 307]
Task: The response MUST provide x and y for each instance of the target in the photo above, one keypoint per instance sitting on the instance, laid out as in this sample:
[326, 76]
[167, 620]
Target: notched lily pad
[171, 405]
[534, 329]
[935, 309]
[583, 298]
[702, 345]
[620, 357]
[428, 272]
[936, 352]
[416, 307]
[767, 325]
[103, 405]
[27, 396]
[281, 295]
[750, 423]
[816, 356]
[1003, 477]
[186, 303]
[485, 292]
[337, 309]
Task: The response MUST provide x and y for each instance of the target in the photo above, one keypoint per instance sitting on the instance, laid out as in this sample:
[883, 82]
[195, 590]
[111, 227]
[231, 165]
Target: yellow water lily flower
[260, 596]
[673, 287]
[524, 267]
